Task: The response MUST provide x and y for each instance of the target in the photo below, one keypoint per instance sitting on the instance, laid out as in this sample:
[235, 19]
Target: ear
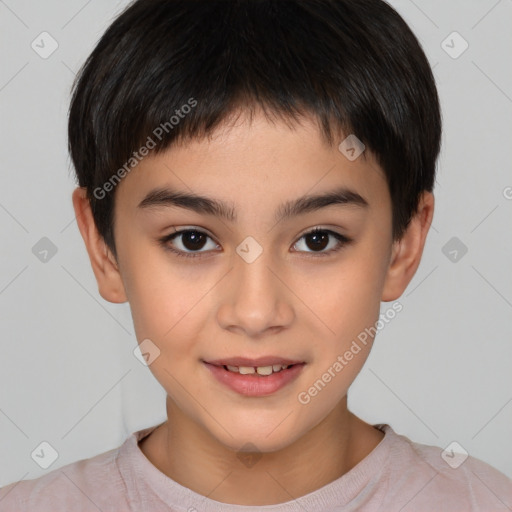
[104, 266]
[406, 253]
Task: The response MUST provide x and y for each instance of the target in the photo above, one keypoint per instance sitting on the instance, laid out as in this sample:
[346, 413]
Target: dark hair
[353, 64]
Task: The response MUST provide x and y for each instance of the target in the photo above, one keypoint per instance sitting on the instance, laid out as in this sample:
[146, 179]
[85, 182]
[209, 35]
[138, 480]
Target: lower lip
[255, 384]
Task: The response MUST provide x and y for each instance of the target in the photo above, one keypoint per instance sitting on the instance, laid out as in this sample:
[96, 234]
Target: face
[205, 287]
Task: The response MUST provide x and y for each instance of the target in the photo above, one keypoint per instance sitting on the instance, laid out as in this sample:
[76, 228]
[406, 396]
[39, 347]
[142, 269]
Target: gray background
[439, 372]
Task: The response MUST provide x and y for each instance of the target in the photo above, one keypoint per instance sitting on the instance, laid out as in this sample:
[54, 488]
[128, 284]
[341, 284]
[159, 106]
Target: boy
[255, 178]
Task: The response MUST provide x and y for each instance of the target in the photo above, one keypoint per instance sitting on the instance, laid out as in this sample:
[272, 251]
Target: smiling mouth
[256, 381]
[258, 370]
[261, 366]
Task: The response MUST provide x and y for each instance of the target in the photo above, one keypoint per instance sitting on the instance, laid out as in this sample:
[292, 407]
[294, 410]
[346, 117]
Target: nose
[255, 299]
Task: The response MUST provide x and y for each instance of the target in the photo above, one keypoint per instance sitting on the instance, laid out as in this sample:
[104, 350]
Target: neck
[192, 457]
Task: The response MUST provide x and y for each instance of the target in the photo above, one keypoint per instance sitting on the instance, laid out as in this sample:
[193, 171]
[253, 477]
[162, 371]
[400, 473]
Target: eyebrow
[167, 198]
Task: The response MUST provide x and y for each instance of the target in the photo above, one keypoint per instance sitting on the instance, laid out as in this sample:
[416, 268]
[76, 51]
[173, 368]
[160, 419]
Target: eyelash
[341, 238]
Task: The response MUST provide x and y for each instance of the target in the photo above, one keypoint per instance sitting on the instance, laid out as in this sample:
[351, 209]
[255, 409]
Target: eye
[190, 241]
[319, 238]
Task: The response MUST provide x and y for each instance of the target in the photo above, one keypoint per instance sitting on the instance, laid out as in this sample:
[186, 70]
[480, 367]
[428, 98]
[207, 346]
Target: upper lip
[259, 361]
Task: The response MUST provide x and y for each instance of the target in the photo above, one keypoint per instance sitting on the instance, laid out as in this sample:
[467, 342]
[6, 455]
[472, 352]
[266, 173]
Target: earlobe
[104, 265]
[406, 252]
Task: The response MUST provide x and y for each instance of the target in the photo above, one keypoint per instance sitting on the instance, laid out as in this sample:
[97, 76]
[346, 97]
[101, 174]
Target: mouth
[261, 366]
[258, 380]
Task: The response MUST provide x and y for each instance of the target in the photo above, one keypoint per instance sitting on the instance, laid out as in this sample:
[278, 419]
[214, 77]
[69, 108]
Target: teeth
[245, 370]
[264, 370]
[260, 370]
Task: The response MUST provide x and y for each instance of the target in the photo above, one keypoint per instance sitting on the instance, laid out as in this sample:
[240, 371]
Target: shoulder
[79, 486]
[424, 477]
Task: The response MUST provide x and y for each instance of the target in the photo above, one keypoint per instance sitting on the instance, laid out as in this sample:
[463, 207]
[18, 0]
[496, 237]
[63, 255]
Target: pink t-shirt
[398, 475]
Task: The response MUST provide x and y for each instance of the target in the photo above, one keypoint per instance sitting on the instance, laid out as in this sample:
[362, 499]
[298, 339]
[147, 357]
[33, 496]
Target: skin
[289, 302]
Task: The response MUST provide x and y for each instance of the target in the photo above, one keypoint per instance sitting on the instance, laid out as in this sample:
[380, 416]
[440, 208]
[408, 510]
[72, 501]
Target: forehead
[254, 162]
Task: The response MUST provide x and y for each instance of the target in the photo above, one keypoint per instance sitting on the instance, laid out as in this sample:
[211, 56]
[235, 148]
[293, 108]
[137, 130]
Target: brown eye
[187, 243]
[318, 239]
[193, 240]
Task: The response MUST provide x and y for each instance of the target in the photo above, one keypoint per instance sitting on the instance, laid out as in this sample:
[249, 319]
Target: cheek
[347, 297]
[166, 314]
[161, 300]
